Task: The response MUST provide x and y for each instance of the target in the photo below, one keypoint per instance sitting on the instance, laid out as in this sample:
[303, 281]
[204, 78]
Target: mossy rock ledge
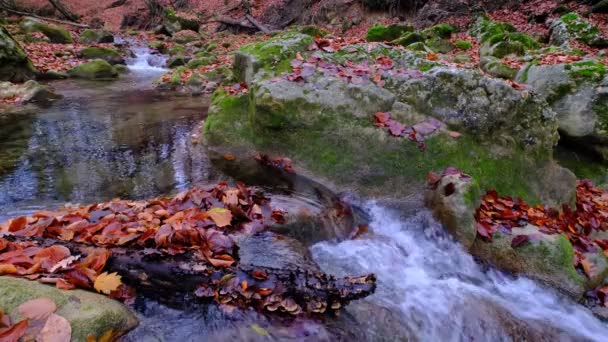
[94, 70]
[578, 94]
[109, 55]
[55, 34]
[89, 314]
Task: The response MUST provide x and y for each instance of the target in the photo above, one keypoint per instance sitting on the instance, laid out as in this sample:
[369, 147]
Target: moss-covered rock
[493, 66]
[177, 50]
[95, 70]
[440, 45]
[443, 31]
[379, 33]
[419, 46]
[408, 39]
[313, 31]
[89, 36]
[571, 26]
[272, 56]
[109, 55]
[158, 46]
[89, 314]
[220, 75]
[185, 36]
[175, 22]
[15, 66]
[55, 34]
[176, 61]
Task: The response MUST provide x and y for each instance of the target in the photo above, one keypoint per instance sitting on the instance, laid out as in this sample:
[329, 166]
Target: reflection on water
[103, 140]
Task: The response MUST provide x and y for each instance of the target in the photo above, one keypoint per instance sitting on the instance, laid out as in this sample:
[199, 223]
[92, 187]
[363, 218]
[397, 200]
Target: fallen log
[257, 24]
[168, 277]
[63, 10]
[243, 23]
[44, 18]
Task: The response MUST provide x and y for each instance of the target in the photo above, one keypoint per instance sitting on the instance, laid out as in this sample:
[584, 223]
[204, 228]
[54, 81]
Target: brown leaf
[14, 333]
[56, 329]
[519, 240]
[229, 156]
[40, 308]
[222, 217]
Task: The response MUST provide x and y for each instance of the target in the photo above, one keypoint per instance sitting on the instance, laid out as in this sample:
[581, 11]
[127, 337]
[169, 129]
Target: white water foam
[145, 61]
[430, 282]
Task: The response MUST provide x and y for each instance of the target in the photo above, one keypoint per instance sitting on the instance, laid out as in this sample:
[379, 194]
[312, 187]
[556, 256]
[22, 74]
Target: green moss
[420, 46]
[195, 63]
[275, 55]
[587, 71]
[96, 69]
[584, 31]
[55, 34]
[600, 108]
[484, 28]
[527, 41]
[463, 45]
[176, 77]
[524, 75]
[440, 45]
[379, 33]
[96, 52]
[329, 150]
[177, 50]
[313, 31]
[408, 39]
[565, 257]
[441, 31]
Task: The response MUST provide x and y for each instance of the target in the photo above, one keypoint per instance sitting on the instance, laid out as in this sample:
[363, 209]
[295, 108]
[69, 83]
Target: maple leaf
[106, 283]
[222, 217]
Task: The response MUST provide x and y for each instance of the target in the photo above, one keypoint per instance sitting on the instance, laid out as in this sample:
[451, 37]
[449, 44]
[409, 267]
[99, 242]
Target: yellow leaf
[259, 330]
[107, 283]
[220, 216]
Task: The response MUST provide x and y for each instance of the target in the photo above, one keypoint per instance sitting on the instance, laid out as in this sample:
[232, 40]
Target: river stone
[95, 70]
[267, 249]
[89, 36]
[578, 94]
[30, 91]
[549, 260]
[109, 55]
[55, 34]
[89, 314]
[15, 66]
[453, 202]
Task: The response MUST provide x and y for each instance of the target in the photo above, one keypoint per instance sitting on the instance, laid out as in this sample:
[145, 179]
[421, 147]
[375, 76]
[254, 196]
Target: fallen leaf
[222, 217]
[106, 283]
[56, 329]
[40, 308]
[13, 333]
[259, 330]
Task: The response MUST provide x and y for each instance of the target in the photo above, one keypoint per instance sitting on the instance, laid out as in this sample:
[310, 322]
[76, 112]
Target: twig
[44, 18]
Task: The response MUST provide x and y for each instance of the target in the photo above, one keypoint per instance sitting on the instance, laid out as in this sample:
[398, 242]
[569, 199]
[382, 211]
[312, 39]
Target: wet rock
[578, 93]
[89, 36]
[89, 314]
[571, 26]
[95, 70]
[54, 75]
[453, 201]
[30, 91]
[56, 34]
[274, 251]
[109, 55]
[547, 258]
[15, 66]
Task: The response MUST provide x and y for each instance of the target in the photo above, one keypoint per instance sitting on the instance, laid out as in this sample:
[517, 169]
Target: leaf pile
[200, 219]
[501, 214]
[40, 323]
[280, 163]
[416, 133]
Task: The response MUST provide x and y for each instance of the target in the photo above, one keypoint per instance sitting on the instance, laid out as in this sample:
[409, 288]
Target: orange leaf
[7, 269]
[222, 217]
[14, 333]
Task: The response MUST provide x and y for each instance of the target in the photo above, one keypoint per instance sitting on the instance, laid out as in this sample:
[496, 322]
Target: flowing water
[123, 138]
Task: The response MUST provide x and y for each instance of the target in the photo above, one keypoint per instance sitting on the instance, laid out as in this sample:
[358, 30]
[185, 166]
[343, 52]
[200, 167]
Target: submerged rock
[95, 70]
[55, 34]
[15, 66]
[89, 314]
[30, 91]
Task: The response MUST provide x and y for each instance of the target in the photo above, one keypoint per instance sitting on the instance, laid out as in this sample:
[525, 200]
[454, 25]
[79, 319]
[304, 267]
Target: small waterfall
[145, 61]
[442, 293]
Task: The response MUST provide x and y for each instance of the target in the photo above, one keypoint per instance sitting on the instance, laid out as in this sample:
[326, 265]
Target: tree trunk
[168, 277]
[63, 10]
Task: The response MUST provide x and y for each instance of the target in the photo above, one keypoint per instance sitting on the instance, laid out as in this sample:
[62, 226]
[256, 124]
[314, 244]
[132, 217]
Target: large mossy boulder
[578, 93]
[175, 22]
[325, 123]
[55, 34]
[89, 36]
[15, 66]
[89, 314]
[571, 26]
[95, 70]
[109, 55]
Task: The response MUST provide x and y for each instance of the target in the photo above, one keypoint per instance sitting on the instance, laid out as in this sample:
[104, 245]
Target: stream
[124, 139]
